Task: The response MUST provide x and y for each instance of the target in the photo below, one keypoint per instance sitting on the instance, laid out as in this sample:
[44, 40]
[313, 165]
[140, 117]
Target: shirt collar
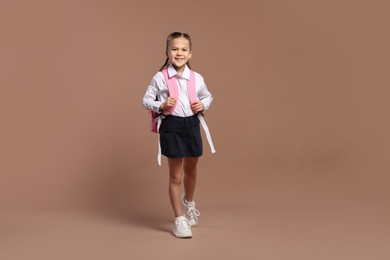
[172, 72]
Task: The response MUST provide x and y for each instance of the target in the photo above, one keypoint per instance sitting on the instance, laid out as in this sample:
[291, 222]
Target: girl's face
[179, 53]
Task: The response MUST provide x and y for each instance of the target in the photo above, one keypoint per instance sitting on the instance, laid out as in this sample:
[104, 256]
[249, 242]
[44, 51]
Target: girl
[180, 137]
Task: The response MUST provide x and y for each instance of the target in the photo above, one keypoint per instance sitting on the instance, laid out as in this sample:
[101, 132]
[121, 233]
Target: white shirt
[158, 89]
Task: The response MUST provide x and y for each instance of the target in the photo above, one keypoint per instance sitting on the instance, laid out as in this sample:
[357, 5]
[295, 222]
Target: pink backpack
[173, 92]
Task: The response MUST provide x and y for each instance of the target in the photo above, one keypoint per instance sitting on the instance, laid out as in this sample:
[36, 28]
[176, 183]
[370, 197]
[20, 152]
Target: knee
[176, 179]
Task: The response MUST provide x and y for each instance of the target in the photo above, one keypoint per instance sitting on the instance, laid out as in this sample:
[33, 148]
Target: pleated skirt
[180, 137]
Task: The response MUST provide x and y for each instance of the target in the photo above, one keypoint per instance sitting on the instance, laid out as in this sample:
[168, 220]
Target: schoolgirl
[180, 137]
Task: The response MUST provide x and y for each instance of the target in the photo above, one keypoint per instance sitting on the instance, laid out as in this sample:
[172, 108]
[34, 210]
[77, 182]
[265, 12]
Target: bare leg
[175, 181]
[190, 177]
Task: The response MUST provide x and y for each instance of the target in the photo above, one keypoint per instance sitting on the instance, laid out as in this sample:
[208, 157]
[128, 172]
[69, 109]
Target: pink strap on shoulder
[192, 88]
[173, 89]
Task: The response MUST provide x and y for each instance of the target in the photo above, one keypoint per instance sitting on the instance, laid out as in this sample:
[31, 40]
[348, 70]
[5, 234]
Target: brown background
[300, 123]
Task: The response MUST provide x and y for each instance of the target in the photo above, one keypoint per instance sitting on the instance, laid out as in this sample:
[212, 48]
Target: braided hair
[171, 37]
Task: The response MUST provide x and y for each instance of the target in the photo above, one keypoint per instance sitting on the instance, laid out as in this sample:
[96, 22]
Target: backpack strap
[207, 132]
[173, 90]
[193, 98]
[191, 87]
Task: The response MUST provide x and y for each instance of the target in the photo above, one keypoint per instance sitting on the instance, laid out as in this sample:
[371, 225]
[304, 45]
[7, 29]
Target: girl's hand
[168, 104]
[197, 106]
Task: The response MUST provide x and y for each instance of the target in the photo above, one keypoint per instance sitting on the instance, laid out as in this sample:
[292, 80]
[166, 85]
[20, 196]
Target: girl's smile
[179, 53]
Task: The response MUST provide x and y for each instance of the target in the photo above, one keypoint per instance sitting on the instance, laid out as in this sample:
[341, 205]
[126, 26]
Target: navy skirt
[180, 137]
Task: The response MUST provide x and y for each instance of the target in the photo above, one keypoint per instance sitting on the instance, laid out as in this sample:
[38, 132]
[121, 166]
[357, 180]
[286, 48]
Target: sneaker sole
[182, 236]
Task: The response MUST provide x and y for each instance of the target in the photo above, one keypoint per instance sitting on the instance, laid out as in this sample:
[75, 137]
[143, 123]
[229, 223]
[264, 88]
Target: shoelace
[183, 223]
[193, 213]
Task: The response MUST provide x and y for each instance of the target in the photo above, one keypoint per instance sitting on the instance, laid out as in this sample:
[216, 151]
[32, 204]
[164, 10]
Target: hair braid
[165, 64]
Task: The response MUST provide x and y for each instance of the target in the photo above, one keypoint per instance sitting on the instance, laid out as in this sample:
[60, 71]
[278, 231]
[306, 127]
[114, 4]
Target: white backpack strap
[159, 152]
[206, 130]
[159, 120]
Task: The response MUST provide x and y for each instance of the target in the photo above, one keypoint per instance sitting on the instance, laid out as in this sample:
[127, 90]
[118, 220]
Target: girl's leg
[175, 180]
[190, 177]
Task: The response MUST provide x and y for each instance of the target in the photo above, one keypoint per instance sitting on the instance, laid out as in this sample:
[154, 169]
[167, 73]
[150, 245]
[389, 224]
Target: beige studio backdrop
[300, 112]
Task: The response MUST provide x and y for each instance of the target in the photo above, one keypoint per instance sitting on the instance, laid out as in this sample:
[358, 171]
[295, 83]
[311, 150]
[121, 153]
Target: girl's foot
[182, 228]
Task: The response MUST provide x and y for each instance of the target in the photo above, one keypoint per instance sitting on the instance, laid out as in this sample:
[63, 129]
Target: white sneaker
[182, 228]
[190, 212]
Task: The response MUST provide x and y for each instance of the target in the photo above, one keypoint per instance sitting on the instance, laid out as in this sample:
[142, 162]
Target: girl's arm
[204, 94]
[150, 101]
